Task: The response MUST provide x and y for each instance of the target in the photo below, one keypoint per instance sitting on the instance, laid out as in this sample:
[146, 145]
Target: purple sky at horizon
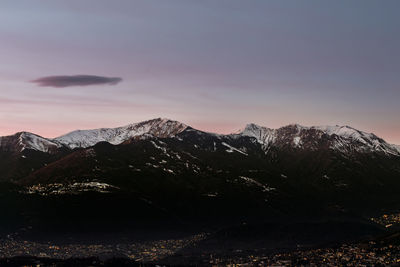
[214, 65]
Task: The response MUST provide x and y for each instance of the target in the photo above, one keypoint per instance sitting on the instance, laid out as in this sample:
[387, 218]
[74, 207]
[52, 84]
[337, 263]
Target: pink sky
[215, 65]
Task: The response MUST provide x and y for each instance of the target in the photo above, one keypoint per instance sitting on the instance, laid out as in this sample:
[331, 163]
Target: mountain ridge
[342, 136]
[294, 134]
[159, 127]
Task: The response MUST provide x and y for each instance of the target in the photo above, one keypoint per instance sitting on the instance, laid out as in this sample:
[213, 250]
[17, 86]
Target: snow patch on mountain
[73, 188]
[297, 141]
[252, 181]
[233, 149]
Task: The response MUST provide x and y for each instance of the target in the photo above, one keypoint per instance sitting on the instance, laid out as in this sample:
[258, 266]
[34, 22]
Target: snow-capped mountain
[161, 128]
[340, 138]
[167, 168]
[343, 139]
[263, 135]
[24, 140]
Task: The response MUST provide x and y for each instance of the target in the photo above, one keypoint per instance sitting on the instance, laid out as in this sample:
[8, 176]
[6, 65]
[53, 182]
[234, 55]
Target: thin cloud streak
[75, 80]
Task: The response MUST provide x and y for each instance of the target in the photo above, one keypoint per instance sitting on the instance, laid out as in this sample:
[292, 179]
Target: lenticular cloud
[75, 80]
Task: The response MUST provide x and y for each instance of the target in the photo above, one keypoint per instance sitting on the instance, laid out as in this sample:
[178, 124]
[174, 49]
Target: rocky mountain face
[339, 138]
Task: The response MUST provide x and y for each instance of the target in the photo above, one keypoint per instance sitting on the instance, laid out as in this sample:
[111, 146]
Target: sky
[214, 65]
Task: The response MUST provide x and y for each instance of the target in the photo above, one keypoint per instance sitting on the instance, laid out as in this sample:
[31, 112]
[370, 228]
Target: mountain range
[341, 138]
[182, 170]
[162, 172]
[177, 148]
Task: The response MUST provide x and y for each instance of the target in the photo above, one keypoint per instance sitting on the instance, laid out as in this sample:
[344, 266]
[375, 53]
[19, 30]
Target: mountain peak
[159, 127]
[26, 140]
[263, 135]
[252, 127]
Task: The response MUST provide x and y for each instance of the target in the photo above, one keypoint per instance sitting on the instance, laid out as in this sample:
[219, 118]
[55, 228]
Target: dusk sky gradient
[213, 64]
